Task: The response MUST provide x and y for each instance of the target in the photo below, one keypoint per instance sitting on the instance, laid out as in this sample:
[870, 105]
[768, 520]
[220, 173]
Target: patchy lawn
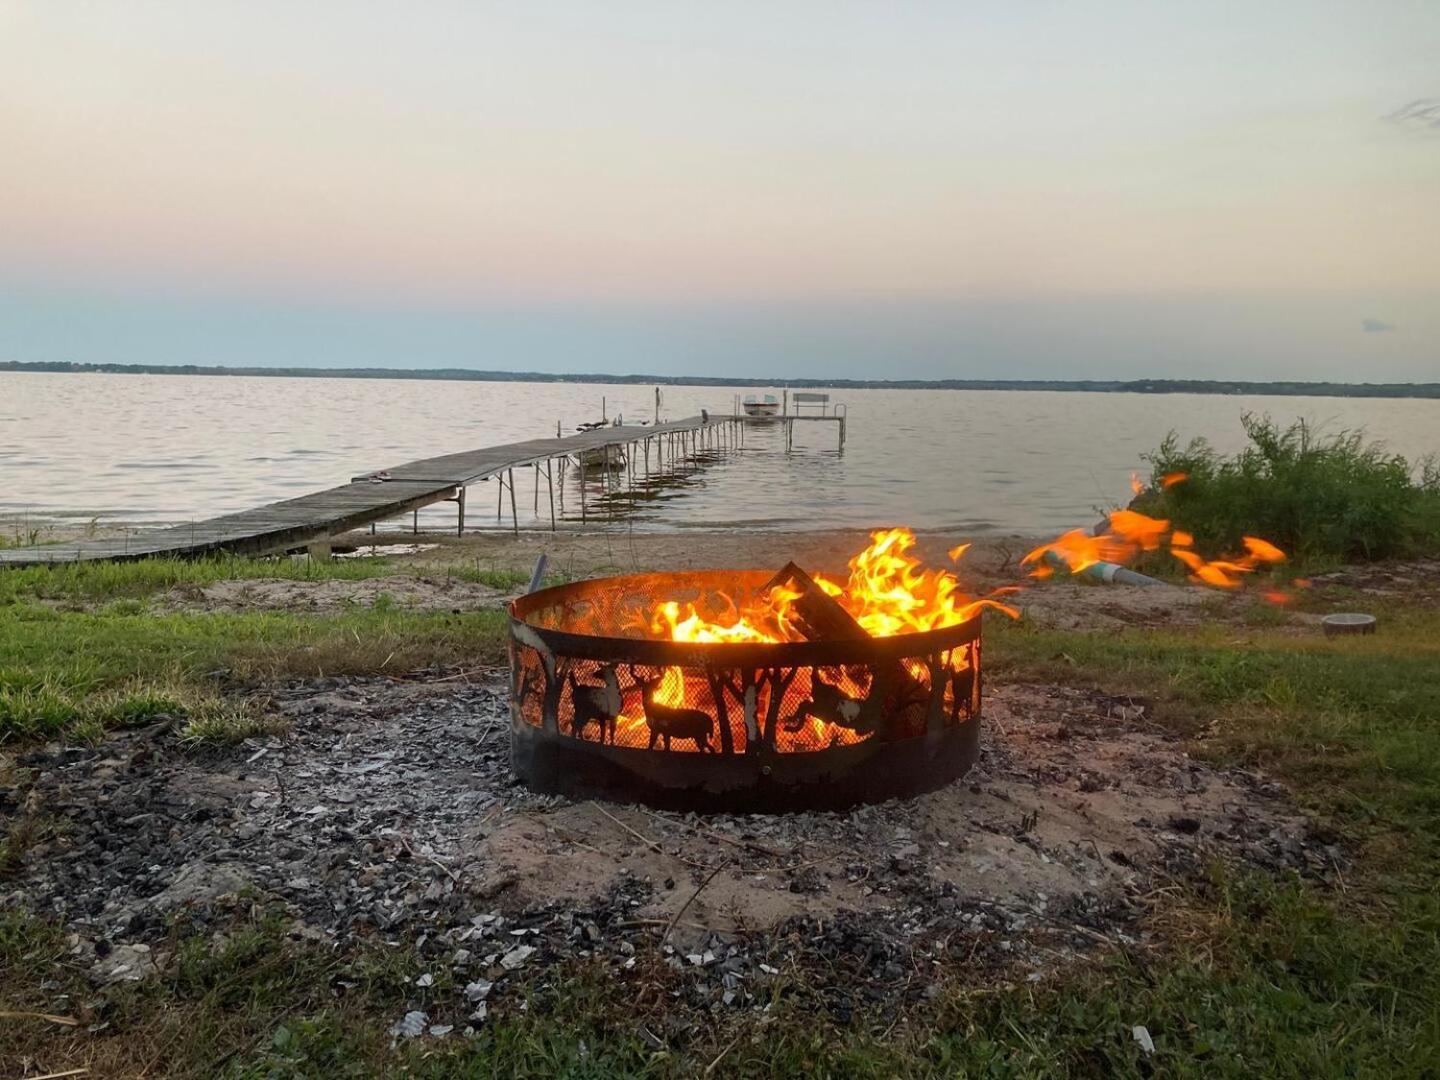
[1241, 972]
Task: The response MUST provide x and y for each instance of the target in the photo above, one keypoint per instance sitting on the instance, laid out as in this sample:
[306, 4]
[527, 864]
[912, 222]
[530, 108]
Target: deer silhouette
[668, 722]
[830, 705]
[595, 704]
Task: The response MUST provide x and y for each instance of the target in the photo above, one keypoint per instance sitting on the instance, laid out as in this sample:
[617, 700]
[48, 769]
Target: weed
[1319, 497]
[219, 723]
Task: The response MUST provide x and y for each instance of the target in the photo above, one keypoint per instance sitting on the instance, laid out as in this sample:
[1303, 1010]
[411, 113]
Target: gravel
[389, 811]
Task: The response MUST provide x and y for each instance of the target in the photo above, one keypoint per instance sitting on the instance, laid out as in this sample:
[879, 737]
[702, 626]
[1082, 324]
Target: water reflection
[174, 449]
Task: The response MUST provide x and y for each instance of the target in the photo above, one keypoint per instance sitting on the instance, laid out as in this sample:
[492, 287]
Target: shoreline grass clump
[1321, 498]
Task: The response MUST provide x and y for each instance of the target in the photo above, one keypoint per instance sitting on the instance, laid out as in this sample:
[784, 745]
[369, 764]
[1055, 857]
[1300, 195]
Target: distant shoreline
[1118, 386]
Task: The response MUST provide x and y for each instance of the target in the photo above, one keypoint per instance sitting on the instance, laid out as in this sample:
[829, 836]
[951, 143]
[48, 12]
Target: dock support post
[582, 487]
[415, 522]
[514, 517]
[460, 510]
[536, 509]
[550, 484]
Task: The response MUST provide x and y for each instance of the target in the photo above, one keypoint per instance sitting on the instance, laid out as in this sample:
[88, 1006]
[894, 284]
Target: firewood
[820, 617]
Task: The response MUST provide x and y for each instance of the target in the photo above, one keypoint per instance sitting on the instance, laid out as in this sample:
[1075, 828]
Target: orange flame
[1169, 480]
[1078, 549]
[1131, 533]
[888, 592]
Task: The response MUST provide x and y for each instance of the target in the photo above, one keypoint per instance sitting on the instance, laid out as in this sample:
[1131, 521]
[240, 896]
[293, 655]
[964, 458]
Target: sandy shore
[621, 551]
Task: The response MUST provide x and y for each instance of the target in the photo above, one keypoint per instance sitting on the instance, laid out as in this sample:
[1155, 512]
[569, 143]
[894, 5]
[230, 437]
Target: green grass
[81, 651]
[225, 723]
[1321, 498]
[61, 668]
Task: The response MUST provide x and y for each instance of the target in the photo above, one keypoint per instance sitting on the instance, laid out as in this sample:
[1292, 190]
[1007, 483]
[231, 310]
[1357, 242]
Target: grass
[1322, 498]
[225, 723]
[58, 669]
[102, 658]
[1351, 720]
[1258, 974]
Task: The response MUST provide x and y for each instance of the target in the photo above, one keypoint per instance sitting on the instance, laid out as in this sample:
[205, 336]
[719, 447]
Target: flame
[1169, 480]
[888, 591]
[1076, 550]
[1263, 550]
[669, 622]
[1136, 484]
[1132, 533]
[1146, 533]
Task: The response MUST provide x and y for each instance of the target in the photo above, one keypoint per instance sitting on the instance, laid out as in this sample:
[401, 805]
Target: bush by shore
[1319, 497]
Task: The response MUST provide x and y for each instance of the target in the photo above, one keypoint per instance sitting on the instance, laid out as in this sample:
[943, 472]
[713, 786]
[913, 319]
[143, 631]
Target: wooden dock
[387, 493]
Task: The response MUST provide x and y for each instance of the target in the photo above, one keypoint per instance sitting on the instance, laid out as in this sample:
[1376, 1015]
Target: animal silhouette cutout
[595, 704]
[830, 705]
[668, 722]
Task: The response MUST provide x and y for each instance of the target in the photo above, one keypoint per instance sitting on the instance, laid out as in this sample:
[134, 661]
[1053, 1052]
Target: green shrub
[1319, 497]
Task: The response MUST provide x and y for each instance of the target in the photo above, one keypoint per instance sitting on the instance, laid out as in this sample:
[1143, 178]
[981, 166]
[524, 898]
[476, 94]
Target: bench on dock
[808, 400]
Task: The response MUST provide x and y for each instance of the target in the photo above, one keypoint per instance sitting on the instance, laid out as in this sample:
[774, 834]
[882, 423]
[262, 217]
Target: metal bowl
[1348, 622]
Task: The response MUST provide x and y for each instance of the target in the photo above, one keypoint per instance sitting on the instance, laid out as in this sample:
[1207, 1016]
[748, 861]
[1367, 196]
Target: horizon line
[1262, 387]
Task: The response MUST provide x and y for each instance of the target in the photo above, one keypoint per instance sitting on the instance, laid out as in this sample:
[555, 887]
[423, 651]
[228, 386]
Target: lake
[133, 449]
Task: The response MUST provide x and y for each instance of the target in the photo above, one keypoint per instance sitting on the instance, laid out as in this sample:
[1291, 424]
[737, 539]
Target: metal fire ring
[599, 709]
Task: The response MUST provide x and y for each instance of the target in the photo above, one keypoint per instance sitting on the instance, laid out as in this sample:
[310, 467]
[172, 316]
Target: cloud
[1375, 326]
[1423, 114]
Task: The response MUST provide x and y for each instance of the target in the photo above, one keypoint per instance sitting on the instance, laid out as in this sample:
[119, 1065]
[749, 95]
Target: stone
[124, 963]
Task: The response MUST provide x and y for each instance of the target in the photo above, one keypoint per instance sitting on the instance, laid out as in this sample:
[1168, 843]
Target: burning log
[818, 616]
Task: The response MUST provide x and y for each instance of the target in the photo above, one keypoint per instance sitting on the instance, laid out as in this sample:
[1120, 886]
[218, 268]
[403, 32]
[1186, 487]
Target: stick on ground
[698, 890]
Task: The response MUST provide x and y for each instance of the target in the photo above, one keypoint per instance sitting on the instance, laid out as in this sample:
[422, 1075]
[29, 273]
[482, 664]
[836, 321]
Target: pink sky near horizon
[675, 153]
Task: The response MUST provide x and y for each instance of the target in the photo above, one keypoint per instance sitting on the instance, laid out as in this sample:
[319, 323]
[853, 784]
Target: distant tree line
[1118, 386]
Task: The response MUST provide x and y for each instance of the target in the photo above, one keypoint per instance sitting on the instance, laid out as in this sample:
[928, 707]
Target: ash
[388, 812]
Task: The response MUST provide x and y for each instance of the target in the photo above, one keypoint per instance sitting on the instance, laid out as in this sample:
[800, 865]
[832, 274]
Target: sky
[916, 189]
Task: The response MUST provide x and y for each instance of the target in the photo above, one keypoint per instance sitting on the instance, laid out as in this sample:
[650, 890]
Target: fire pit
[682, 691]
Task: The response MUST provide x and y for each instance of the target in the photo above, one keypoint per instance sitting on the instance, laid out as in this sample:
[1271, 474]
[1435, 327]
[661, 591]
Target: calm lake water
[153, 448]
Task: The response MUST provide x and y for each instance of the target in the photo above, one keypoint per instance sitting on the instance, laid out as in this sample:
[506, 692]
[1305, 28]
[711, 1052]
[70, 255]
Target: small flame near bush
[1132, 534]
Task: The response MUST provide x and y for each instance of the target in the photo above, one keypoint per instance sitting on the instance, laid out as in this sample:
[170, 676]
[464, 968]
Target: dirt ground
[436, 592]
[389, 808]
